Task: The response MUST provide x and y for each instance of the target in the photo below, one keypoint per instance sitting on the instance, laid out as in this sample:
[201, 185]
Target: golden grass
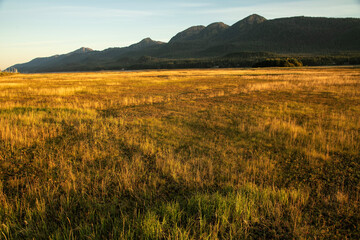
[190, 154]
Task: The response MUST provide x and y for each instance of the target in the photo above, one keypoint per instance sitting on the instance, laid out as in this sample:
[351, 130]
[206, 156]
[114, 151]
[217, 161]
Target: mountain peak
[217, 25]
[146, 42]
[254, 19]
[211, 31]
[83, 50]
[249, 20]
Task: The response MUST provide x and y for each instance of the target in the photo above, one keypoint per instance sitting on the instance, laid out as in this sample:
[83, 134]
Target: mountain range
[251, 36]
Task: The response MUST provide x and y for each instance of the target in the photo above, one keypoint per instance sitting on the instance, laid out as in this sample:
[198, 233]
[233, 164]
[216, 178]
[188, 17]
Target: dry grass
[181, 154]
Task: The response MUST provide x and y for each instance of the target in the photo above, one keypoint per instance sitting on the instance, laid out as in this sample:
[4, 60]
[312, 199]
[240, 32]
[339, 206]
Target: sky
[40, 28]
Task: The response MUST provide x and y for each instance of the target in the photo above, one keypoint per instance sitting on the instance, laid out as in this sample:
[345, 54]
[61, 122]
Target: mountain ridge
[82, 50]
[293, 35]
[146, 42]
[187, 33]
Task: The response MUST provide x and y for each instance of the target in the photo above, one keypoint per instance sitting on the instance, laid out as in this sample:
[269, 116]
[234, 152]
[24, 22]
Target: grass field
[186, 154]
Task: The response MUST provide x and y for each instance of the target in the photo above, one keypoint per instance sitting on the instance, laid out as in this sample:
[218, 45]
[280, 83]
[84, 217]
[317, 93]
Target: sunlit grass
[181, 154]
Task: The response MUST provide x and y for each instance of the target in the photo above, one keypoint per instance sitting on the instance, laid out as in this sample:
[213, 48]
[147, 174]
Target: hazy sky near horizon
[39, 28]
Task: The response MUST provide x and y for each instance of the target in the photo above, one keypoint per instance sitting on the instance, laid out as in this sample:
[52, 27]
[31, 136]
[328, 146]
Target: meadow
[181, 154]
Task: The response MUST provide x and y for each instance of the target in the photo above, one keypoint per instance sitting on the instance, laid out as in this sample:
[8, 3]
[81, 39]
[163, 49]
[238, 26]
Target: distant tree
[277, 62]
[295, 62]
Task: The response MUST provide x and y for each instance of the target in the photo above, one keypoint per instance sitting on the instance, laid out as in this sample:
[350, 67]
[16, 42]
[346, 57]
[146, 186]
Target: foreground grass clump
[188, 154]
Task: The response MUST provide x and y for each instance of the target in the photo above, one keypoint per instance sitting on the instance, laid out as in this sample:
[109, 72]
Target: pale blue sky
[38, 28]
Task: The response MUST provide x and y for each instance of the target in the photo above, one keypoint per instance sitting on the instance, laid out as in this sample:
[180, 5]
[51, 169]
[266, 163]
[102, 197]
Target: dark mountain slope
[299, 34]
[200, 33]
[187, 34]
[285, 35]
[56, 61]
[86, 59]
[295, 35]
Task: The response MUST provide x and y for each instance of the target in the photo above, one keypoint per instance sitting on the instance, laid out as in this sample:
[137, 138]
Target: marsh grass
[187, 154]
